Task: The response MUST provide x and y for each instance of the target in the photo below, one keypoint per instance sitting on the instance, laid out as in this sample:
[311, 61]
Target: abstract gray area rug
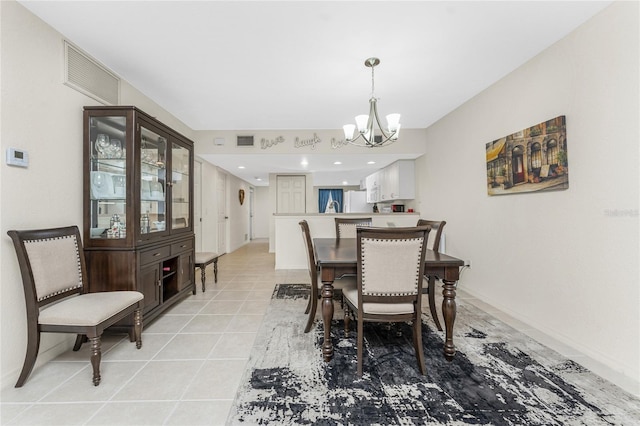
[498, 376]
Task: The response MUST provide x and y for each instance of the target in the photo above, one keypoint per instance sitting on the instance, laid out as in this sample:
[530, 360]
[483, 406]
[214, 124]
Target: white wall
[238, 214]
[209, 207]
[44, 117]
[563, 262]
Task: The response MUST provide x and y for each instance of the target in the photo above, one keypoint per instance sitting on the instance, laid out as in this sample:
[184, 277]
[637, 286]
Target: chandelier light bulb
[348, 131]
[393, 122]
[361, 122]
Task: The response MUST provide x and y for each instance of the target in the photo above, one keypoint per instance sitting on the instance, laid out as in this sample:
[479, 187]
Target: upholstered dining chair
[54, 278]
[389, 282]
[346, 227]
[316, 283]
[436, 226]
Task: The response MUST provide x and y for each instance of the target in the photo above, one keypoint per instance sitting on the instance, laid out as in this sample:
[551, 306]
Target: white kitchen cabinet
[373, 188]
[394, 182]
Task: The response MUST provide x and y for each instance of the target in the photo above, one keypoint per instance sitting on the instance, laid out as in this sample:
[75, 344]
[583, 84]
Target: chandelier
[365, 123]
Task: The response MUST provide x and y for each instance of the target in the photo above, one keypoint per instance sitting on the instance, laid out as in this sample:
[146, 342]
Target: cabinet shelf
[168, 275]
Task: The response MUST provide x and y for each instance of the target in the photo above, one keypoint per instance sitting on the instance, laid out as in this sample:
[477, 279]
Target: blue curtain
[336, 194]
[323, 199]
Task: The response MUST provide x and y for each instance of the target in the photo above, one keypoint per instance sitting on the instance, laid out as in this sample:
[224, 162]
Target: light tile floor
[191, 362]
[189, 366]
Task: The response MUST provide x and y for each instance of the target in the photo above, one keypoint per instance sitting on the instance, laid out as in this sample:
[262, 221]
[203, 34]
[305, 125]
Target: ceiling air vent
[89, 77]
[245, 140]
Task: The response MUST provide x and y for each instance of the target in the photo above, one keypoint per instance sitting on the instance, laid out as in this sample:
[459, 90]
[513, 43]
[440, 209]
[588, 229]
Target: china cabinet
[138, 210]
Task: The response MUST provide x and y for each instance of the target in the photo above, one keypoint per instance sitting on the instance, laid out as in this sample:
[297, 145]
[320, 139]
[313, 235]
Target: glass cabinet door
[153, 188]
[108, 178]
[180, 184]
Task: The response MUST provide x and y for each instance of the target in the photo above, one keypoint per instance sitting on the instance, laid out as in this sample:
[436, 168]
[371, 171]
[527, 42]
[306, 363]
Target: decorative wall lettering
[335, 144]
[268, 143]
[300, 143]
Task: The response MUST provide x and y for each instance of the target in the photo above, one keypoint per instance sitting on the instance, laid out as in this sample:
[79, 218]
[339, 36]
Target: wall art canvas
[531, 160]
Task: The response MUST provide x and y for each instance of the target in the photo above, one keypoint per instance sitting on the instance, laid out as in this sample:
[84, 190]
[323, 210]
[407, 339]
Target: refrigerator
[356, 202]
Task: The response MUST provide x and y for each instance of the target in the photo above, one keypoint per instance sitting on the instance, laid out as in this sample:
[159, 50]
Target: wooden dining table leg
[327, 316]
[449, 313]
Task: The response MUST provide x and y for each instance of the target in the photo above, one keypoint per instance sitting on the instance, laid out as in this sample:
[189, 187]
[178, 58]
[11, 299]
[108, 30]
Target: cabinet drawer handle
[156, 254]
[183, 246]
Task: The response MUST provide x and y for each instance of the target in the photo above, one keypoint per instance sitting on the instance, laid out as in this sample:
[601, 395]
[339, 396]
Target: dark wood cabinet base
[164, 272]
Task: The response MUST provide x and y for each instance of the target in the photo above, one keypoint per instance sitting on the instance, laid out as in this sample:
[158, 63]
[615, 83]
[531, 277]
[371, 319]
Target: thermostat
[17, 157]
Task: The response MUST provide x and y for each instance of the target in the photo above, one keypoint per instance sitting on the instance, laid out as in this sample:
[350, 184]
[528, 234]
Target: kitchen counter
[349, 214]
[289, 245]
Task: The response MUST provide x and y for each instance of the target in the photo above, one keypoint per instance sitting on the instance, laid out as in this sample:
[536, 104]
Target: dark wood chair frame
[436, 226]
[313, 273]
[364, 221]
[416, 299]
[92, 333]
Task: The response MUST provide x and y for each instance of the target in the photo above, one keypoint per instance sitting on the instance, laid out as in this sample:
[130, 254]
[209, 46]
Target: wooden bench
[202, 260]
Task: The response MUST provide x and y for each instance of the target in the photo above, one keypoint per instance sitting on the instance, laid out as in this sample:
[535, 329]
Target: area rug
[498, 376]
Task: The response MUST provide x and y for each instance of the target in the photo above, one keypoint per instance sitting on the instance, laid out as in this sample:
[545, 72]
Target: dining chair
[346, 227]
[54, 277]
[437, 226]
[389, 282]
[314, 274]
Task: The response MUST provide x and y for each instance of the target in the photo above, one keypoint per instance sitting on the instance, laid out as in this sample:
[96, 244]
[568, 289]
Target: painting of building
[531, 160]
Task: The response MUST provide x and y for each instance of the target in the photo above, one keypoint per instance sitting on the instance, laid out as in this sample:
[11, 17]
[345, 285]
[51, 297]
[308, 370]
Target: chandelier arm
[374, 108]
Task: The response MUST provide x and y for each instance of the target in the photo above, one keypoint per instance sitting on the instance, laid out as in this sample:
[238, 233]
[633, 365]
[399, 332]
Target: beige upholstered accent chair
[316, 283]
[53, 271]
[389, 288]
[346, 227]
[436, 226]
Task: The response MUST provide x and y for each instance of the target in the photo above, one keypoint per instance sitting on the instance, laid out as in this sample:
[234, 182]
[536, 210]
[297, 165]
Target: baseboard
[9, 379]
[566, 347]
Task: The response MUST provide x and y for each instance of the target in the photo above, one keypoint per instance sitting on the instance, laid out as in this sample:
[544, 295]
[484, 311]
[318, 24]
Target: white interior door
[221, 198]
[291, 194]
[251, 206]
[197, 204]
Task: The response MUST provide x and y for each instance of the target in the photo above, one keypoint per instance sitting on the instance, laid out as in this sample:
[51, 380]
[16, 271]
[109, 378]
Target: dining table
[337, 257]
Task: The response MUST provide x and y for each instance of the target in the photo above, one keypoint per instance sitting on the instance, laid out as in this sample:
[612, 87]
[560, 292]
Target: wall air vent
[87, 76]
[245, 140]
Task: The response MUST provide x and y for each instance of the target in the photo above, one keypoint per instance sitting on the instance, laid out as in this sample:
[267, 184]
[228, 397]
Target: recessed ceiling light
[258, 178]
[241, 167]
[304, 162]
[337, 163]
[344, 182]
[371, 162]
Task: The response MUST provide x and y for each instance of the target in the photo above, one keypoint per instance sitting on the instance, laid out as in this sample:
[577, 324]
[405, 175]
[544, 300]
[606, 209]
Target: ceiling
[260, 65]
